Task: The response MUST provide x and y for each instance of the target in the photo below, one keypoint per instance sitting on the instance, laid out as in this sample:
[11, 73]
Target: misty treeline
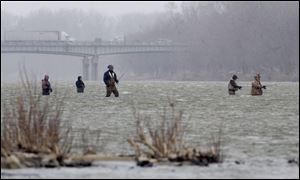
[225, 38]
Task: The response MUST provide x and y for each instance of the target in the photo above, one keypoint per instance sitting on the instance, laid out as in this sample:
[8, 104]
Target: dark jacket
[108, 80]
[46, 86]
[80, 86]
[232, 86]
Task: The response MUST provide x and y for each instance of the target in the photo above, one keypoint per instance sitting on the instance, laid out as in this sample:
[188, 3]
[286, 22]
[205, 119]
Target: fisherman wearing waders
[232, 86]
[110, 80]
[46, 86]
[257, 87]
[80, 85]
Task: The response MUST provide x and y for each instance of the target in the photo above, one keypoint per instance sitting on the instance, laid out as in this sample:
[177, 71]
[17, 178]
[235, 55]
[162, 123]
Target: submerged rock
[77, 161]
[173, 157]
[200, 161]
[293, 161]
[144, 162]
[239, 162]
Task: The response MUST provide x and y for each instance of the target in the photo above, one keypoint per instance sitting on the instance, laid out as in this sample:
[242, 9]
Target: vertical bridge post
[95, 59]
[85, 68]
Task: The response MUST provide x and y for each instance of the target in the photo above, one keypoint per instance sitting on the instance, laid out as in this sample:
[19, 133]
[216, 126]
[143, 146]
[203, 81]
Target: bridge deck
[86, 48]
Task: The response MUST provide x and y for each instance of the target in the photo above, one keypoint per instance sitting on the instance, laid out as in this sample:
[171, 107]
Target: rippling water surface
[254, 128]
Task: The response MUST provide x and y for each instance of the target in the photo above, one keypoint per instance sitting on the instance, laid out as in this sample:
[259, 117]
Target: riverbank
[127, 169]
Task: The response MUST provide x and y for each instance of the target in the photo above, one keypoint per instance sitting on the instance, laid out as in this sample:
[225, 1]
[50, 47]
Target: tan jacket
[256, 88]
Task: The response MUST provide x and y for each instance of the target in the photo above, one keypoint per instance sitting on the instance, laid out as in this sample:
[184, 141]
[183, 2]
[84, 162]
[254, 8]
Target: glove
[264, 87]
[240, 87]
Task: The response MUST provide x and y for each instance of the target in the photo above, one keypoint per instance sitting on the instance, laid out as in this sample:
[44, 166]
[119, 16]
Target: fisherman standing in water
[80, 85]
[46, 86]
[232, 86]
[110, 80]
[256, 86]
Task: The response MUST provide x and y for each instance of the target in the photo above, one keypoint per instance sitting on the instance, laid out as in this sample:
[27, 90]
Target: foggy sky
[225, 37]
[111, 8]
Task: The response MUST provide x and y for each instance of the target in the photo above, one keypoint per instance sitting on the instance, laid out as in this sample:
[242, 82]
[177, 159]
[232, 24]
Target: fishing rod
[122, 76]
[263, 87]
[251, 86]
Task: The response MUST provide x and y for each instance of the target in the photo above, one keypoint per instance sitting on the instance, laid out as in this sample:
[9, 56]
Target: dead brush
[160, 140]
[165, 141]
[33, 124]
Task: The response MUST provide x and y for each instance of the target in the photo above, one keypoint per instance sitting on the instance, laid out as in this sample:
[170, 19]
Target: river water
[260, 130]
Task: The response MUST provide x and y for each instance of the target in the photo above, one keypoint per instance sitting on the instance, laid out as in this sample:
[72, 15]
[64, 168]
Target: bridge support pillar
[95, 68]
[85, 68]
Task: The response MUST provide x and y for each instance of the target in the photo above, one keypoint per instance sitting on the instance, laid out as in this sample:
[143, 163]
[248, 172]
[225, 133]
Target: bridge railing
[85, 43]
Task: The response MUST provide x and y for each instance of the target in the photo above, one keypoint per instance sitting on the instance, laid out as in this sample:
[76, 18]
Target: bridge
[88, 50]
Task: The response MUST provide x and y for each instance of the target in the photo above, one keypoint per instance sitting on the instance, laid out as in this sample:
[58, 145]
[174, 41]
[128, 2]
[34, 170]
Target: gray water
[255, 129]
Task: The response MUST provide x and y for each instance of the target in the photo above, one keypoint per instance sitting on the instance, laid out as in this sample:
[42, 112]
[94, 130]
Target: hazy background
[227, 37]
